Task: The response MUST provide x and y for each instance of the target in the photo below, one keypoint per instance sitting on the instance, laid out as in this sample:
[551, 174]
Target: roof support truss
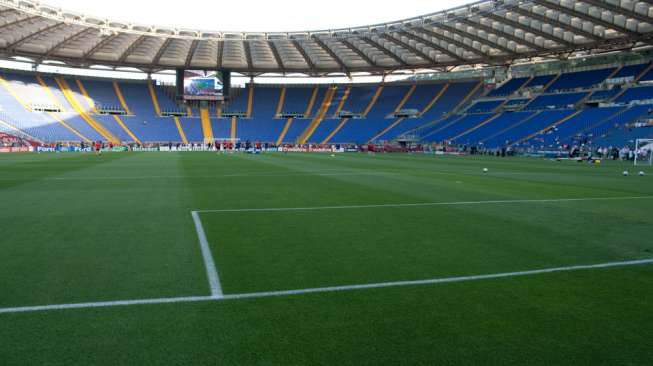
[476, 38]
[357, 51]
[431, 44]
[328, 50]
[22, 40]
[7, 11]
[530, 29]
[386, 51]
[220, 56]
[581, 15]
[18, 21]
[556, 23]
[248, 54]
[137, 42]
[84, 32]
[407, 46]
[301, 50]
[453, 41]
[618, 9]
[99, 45]
[504, 34]
[277, 57]
[191, 53]
[161, 51]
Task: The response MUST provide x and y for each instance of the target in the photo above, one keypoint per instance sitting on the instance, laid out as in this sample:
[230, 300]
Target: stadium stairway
[319, 117]
[311, 103]
[431, 93]
[50, 94]
[155, 99]
[283, 133]
[207, 129]
[531, 125]
[549, 127]
[267, 124]
[282, 99]
[250, 101]
[121, 98]
[68, 94]
[341, 102]
[234, 128]
[180, 129]
[86, 97]
[126, 129]
[494, 138]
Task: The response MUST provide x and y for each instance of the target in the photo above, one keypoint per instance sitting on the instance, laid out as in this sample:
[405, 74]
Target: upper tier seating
[580, 80]
[631, 71]
[509, 87]
[554, 101]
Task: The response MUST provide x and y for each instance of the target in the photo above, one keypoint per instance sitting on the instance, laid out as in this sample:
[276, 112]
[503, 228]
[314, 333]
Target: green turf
[81, 228]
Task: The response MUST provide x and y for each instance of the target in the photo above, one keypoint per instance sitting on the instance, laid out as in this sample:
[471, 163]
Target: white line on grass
[105, 304]
[209, 263]
[425, 204]
[434, 281]
[235, 175]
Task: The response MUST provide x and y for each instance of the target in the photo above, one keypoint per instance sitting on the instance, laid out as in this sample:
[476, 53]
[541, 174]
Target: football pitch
[297, 259]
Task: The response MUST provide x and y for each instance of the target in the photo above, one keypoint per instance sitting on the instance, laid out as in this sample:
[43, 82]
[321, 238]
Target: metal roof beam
[453, 41]
[18, 21]
[432, 45]
[328, 50]
[99, 45]
[8, 10]
[220, 56]
[531, 29]
[58, 46]
[619, 10]
[137, 42]
[161, 51]
[26, 38]
[557, 23]
[248, 54]
[410, 48]
[581, 15]
[357, 51]
[277, 56]
[478, 39]
[302, 51]
[504, 34]
[386, 51]
[191, 53]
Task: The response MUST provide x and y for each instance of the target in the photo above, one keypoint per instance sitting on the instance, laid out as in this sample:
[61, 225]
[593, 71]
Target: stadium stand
[510, 87]
[55, 108]
[580, 80]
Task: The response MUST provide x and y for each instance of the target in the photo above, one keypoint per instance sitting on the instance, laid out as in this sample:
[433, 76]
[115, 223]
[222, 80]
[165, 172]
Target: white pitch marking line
[235, 175]
[209, 263]
[106, 304]
[425, 204]
[434, 281]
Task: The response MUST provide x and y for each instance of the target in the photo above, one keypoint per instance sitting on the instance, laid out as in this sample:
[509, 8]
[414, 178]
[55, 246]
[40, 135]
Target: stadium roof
[492, 32]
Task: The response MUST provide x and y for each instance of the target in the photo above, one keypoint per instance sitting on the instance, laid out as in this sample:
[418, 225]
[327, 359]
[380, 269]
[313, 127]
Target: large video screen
[202, 84]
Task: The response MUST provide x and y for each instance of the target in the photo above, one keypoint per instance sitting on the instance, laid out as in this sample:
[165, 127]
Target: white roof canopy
[489, 32]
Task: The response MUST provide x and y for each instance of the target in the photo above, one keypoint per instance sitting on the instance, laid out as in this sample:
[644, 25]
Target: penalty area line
[219, 298]
[209, 262]
[426, 204]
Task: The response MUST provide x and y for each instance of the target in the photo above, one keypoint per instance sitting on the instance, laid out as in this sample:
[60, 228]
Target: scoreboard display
[206, 85]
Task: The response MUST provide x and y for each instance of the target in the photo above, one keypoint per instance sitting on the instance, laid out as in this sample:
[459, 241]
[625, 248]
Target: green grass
[81, 228]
